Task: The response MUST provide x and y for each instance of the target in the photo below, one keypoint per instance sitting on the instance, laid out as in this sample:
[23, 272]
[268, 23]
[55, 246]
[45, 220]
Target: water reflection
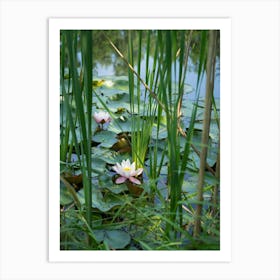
[107, 63]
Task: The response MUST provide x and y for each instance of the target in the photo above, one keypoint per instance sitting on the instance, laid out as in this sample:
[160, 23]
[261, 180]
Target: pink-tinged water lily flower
[102, 117]
[127, 171]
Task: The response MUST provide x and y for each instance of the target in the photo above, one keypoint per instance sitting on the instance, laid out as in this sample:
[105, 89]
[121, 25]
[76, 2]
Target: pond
[107, 63]
[130, 154]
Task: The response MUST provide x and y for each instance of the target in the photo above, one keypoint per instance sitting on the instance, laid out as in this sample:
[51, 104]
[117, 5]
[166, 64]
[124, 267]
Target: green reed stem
[142, 120]
[86, 37]
[83, 107]
[167, 56]
[188, 142]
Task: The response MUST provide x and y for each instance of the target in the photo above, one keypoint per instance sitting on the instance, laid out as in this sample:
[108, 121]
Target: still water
[108, 64]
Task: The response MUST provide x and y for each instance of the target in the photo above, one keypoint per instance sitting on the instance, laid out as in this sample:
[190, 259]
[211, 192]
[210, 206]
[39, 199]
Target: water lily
[101, 117]
[108, 83]
[127, 172]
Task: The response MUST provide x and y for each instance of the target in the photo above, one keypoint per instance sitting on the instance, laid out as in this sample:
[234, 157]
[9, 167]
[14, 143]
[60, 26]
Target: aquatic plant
[127, 172]
[154, 141]
[102, 117]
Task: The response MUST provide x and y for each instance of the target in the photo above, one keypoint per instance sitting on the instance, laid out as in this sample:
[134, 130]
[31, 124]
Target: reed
[210, 71]
[142, 106]
[82, 99]
[157, 97]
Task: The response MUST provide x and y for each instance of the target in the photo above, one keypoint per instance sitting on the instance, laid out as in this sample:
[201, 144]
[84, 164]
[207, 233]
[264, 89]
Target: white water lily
[108, 83]
[102, 117]
[127, 171]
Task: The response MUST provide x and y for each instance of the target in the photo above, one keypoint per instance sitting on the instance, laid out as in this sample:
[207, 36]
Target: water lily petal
[137, 172]
[127, 170]
[133, 167]
[121, 180]
[102, 117]
[134, 180]
[115, 168]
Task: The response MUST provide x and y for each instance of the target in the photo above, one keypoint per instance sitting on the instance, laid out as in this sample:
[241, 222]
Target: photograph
[140, 139]
[132, 144]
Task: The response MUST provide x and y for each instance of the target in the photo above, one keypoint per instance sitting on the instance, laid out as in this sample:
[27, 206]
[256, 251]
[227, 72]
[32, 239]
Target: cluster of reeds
[155, 101]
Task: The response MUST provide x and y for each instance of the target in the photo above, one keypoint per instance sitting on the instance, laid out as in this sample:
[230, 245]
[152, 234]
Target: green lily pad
[119, 101]
[211, 158]
[159, 155]
[115, 239]
[209, 178]
[106, 138]
[108, 156]
[112, 93]
[214, 130]
[96, 100]
[98, 166]
[96, 220]
[105, 203]
[105, 182]
[116, 82]
[162, 132]
[196, 141]
[117, 126]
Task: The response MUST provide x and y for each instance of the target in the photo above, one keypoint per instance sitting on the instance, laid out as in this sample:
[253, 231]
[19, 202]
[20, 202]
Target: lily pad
[115, 239]
[196, 141]
[96, 100]
[214, 130]
[117, 82]
[162, 132]
[108, 156]
[97, 165]
[106, 138]
[104, 204]
[159, 155]
[117, 126]
[105, 182]
[119, 101]
[111, 92]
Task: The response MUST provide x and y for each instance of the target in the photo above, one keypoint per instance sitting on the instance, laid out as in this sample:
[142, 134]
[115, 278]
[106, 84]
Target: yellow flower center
[127, 168]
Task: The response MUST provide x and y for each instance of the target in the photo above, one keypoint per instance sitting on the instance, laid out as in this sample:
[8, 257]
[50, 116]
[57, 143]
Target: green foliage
[148, 104]
[114, 239]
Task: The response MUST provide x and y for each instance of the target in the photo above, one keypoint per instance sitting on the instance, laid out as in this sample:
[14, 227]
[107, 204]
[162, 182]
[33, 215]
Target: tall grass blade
[83, 112]
[86, 37]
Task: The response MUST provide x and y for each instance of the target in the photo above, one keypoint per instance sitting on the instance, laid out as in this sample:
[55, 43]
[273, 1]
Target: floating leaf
[105, 182]
[214, 130]
[97, 165]
[111, 92]
[118, 126]
[106, 138]
[108, 156]
[162, 132]
[104, 204]
[119, 101]
[115, 239]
